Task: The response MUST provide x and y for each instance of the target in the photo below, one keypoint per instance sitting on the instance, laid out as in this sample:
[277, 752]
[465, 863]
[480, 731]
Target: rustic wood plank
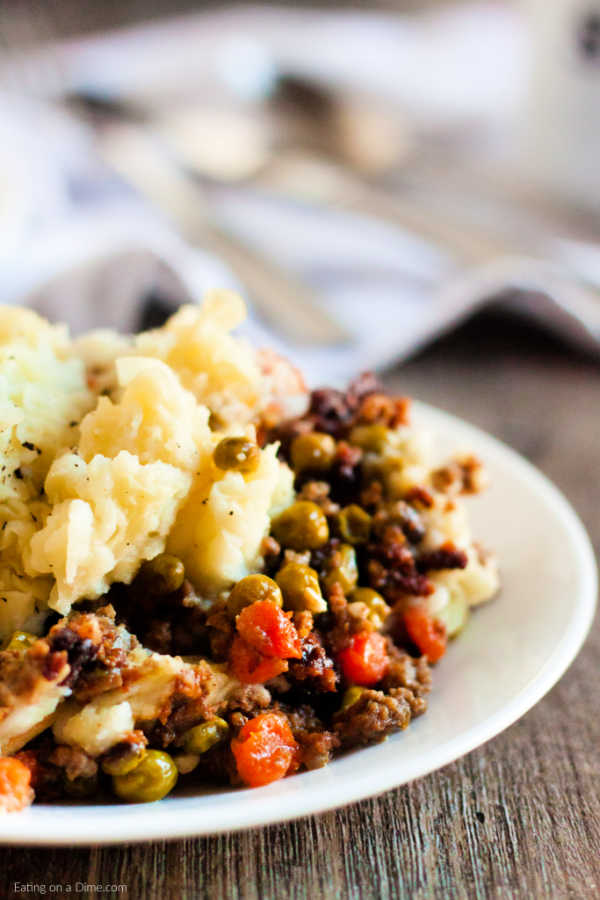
[519, 817]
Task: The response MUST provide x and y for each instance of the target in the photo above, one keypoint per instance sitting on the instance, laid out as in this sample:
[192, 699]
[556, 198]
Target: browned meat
[407, 678]
[80, 651]
[346, 472]
[171, 623]
[318, 492]
[221, 631]
[315, 667]
[218, 767]
[371, 495]
[445, 557]
[316, 747]
[95, 682]
[373, 717]
[330, 410]
[74, 761]
[381, 409]
[464, 475]
[159, 636]
[393, 572]
[20, 674]
[316, 743]
[401, 516]
[362, 386]
[407, 671]
[419, 497]
[340, 623]
[250, 699]
[96, 649]
[188, 703]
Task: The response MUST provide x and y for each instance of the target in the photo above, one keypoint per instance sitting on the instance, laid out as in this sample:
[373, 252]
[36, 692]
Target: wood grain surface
[519, 817]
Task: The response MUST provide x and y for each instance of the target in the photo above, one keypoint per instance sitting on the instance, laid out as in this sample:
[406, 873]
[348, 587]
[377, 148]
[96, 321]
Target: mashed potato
[215, 532]
[107, 516]
[221, 371]
[156, 419]
[43, 394]
[106, 450]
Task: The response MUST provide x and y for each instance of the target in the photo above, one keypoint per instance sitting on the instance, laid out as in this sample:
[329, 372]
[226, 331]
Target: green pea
[354, 524]
[378, 608]
[250, 589]
[237, 453]
[162, 575]
[343, 570]
[300, 587]
[302, 526]
[312, 452]
[152, 779]
[202, 737]
[123, 758]
[371, 438]
[351, 695]
[21, 640]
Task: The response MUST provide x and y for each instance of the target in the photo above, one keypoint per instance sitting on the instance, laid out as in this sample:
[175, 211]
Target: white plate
[513, 651]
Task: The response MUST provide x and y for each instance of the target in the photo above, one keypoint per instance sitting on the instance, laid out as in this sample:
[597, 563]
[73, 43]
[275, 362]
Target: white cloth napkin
[84, 248]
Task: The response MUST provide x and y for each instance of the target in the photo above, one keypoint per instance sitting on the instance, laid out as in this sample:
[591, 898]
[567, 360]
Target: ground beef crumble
[373, 717]
[316, 743]
[74, 762]
[315, 667]
[446, 557]
[249, 699]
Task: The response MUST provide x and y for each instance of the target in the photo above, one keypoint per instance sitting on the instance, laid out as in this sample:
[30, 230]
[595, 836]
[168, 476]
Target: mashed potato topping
[43, 394]
[221, 371]
[215, 532]
[107, 516]
[155, 418]
[106, 451]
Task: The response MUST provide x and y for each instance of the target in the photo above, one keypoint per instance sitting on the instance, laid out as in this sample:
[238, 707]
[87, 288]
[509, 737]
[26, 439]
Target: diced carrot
[426, 632]
[265, 750]
[15, 787]
[250, 667]
[266, 628]
[365, 661]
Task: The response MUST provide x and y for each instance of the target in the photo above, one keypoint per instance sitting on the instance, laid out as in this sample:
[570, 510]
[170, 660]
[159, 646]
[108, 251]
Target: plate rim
[181, 822]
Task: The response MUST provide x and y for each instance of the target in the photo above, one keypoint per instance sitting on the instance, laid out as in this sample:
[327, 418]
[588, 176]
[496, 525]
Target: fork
[279, 296]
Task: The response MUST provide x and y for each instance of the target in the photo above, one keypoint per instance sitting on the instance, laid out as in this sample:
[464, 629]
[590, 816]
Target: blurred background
[71, 18]
[368, 175]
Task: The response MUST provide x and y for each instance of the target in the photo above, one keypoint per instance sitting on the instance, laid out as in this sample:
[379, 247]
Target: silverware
[133, 153]
[519, 251]
[288, 305]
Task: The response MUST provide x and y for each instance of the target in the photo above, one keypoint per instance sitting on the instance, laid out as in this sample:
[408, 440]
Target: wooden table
[520, 817]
